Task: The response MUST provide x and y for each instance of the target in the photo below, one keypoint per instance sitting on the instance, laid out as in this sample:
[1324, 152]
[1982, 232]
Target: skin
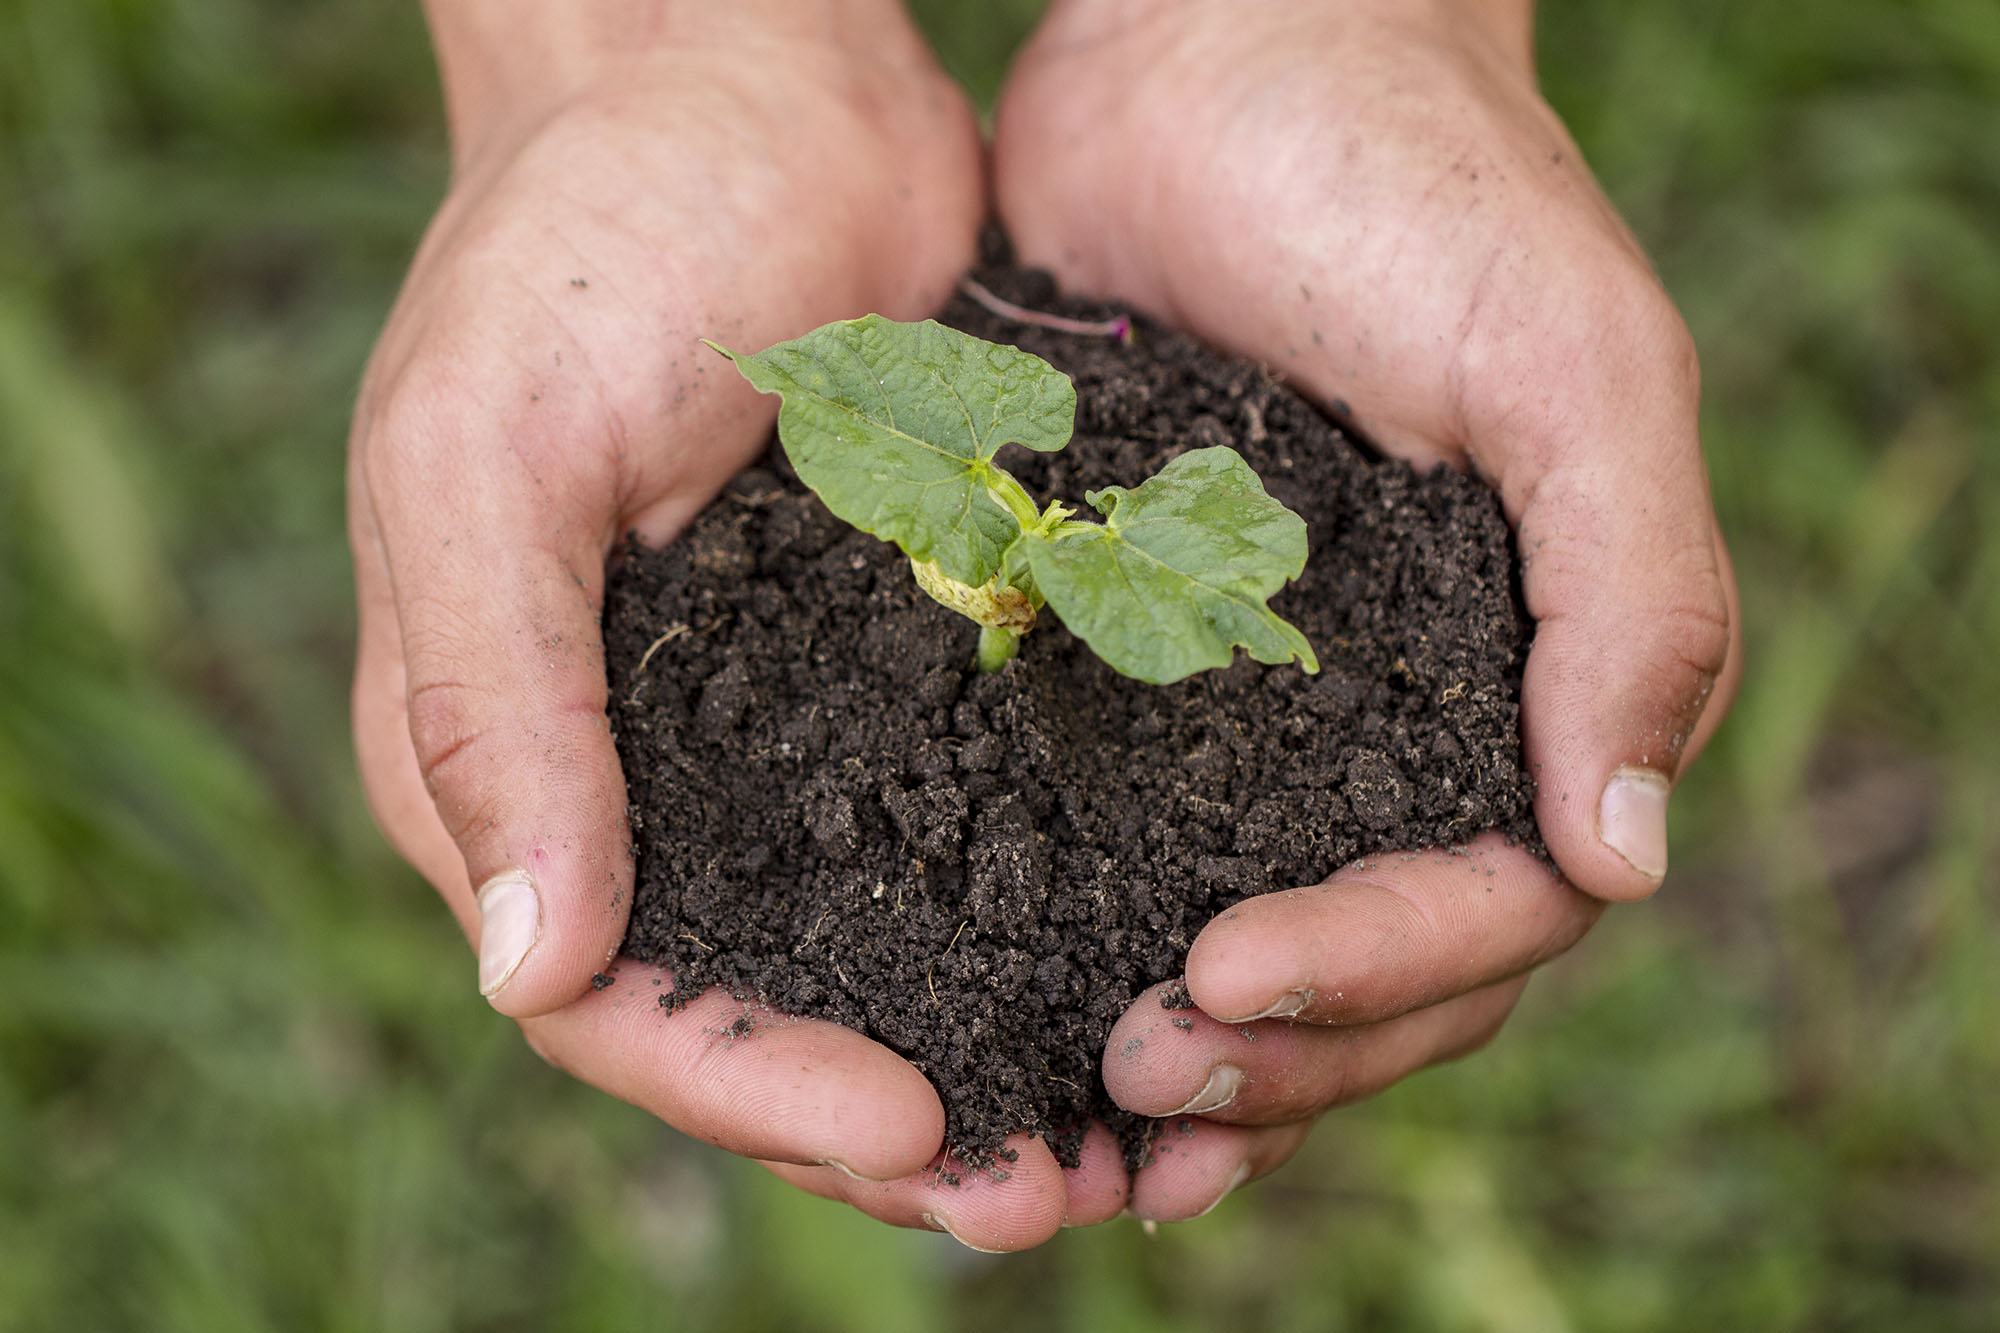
[1405, 229]
[1374, 198]
[624, 182]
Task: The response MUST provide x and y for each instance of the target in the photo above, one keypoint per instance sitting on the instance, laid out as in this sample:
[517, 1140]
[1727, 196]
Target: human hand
[1374, 199]
[627, 178]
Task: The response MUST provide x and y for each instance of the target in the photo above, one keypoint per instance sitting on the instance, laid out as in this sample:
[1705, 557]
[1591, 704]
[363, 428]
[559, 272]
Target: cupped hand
[627, 179]
[1374, 199]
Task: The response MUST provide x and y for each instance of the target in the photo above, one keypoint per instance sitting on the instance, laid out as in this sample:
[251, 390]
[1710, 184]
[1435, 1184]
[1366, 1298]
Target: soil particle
[836, 814]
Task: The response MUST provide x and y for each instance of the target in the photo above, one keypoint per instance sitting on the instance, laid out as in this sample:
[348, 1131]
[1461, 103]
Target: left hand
[1374, 199]
[629, 174]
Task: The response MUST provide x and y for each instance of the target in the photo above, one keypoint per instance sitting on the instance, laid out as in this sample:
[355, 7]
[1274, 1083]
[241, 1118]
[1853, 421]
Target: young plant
[895, 426]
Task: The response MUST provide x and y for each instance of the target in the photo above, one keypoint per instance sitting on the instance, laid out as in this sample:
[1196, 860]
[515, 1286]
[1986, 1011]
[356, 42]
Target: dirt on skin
[835, 812]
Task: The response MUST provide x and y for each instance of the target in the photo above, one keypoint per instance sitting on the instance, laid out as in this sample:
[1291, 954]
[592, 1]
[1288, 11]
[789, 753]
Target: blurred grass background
[244, 1079]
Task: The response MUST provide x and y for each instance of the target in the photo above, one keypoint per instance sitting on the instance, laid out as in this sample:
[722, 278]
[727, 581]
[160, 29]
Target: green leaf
[1178, 573]
[894, 425]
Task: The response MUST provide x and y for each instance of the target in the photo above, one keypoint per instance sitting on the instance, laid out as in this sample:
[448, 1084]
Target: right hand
[621, 187]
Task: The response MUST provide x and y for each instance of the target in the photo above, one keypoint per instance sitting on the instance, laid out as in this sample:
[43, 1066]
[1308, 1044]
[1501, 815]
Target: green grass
[245, 1083]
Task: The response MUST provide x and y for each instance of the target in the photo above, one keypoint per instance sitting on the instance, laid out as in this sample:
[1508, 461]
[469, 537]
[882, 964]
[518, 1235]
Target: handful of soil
[833, 811]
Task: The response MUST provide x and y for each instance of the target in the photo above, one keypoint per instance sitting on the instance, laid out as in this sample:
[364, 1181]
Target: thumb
[504, 691]
[1626, 576]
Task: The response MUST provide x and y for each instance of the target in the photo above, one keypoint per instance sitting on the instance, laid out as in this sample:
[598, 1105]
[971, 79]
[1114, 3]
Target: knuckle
[1317, 1077]
[442, 726]
[1657, 586]
[1420, 936]
[404, 417]
[1640, 331]
[1697, 639]
[1698, 633]
[1353, 1071]
[451, 412]
[1684, 358]
[1339, 1086]
[1600, 317]
[1684, 624]
[1623, 309]
[451, 737]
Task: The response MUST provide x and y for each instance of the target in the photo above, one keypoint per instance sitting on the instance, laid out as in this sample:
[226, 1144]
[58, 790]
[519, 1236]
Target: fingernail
[1235, 1183]
[853, 1173]
[1146, 1224]
[843, 1167]
[1218, 1092]
[510, 921]
[936, 1223]
[1289, 1005]
[1632, 819]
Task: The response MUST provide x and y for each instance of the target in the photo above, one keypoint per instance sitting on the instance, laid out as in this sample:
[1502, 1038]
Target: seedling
[895, 426]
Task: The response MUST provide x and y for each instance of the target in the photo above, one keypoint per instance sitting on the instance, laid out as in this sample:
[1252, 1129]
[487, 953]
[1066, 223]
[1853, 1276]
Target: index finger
[1387, 935]
[745, 1078]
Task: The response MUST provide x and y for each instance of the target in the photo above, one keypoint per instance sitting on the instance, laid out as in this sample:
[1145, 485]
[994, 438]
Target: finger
[1731, 679]
[495, 574]
[381, 720]
[745, 1078]
[1273, 1072]
[1196, 1164]
[1009, 1206]
[1387, 935]
[1591, 434]
[1098, 1185]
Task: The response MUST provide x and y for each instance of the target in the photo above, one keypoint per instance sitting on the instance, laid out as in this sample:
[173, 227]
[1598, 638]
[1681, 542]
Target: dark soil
[835, 812]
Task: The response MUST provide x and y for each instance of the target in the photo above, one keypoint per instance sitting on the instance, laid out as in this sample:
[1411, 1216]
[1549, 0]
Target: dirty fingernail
[1632, 819]
[1289, 1005]
[936, 1223]
[510, 921]
[1235, 1183]
[1223, 1083]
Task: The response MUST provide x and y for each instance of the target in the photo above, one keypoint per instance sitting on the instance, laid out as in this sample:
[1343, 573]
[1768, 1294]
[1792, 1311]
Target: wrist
[1507, 26]
[506, 65]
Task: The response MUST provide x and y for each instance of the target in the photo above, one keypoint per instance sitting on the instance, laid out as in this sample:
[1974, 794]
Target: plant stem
[1011, 496]
[996, 647]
